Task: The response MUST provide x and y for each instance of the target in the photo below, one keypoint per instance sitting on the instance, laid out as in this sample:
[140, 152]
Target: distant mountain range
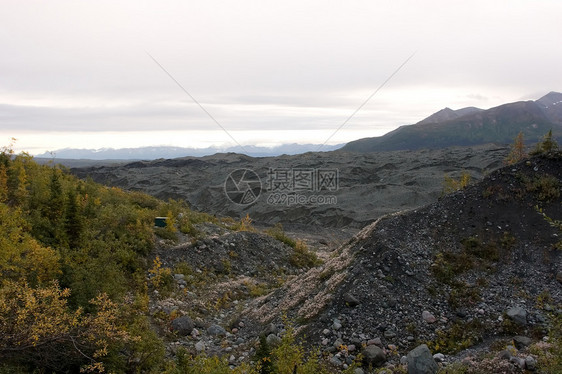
[152, 153]
[472, 126]
[445, 128]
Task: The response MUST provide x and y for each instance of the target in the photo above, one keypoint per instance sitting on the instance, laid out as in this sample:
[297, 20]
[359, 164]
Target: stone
[439, 357]
[330, 349]
[350, 300]
[179, 277]
[373, 355]
[216, 330]
[517, 315]
[358, 371]
[199, 346]
[518, 361]
[375, 341]
[273, 340]
[389, 334]
[530, 363]
[461, 313]
[504, 355]
[182, 326]
[428, 317]
[521, 342]
[420, 361]
[559, 276]
[338, 343]
[336, 361]
[271, 329]
[336, 325]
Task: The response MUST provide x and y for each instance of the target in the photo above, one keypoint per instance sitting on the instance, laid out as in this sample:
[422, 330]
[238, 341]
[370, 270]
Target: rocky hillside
[370, 185]
[470, 126]
[465, 273]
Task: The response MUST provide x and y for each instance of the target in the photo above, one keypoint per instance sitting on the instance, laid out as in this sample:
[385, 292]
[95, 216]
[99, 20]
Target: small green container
[160, 221]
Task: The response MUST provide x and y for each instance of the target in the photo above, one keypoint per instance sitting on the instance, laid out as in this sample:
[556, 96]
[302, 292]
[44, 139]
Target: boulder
[373, 355]
[216, 330]
[530, 363]
[182, 325]
[517, 315]
[350, 300]
[199, 346]
[521, 342]
[273, 340]
[428, 317]
[420, 361]
[336, 325]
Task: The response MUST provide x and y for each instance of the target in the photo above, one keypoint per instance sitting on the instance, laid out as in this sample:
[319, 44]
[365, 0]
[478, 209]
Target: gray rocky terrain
[478, 266]
[408, 277]
[369, 185]
[476, 271]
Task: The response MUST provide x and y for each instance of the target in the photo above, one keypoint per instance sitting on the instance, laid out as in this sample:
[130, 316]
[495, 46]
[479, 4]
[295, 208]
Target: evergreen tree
[547, 145]
[517, 152]
[73, 220]
[16, 181]
[55, 211]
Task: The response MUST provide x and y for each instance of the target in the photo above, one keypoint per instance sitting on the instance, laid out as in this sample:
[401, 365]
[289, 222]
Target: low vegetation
[302, 256]
[451, 184]
[517, 152]
[72, 265]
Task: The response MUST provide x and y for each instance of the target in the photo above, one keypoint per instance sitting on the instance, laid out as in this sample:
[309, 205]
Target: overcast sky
[78, 73]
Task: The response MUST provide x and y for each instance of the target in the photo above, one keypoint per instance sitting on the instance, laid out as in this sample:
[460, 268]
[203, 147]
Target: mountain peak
[551, 105]
[444, 114]
[447, 114]
[551, 98]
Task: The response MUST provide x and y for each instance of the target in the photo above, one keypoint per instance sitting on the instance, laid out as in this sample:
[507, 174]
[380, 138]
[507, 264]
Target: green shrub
[517, 152]
[162, 279]
[451, 185]
[546, 146]
[549, 353]
[546, 188]
[278, 233]
[302, 257]
[164, 233]
[459, 336]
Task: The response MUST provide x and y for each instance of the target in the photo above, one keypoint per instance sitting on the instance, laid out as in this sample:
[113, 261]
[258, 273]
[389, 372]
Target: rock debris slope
[478, 265]
[370, 185]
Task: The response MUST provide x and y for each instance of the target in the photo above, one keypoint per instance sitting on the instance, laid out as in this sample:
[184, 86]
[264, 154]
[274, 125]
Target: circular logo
[242, 186]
